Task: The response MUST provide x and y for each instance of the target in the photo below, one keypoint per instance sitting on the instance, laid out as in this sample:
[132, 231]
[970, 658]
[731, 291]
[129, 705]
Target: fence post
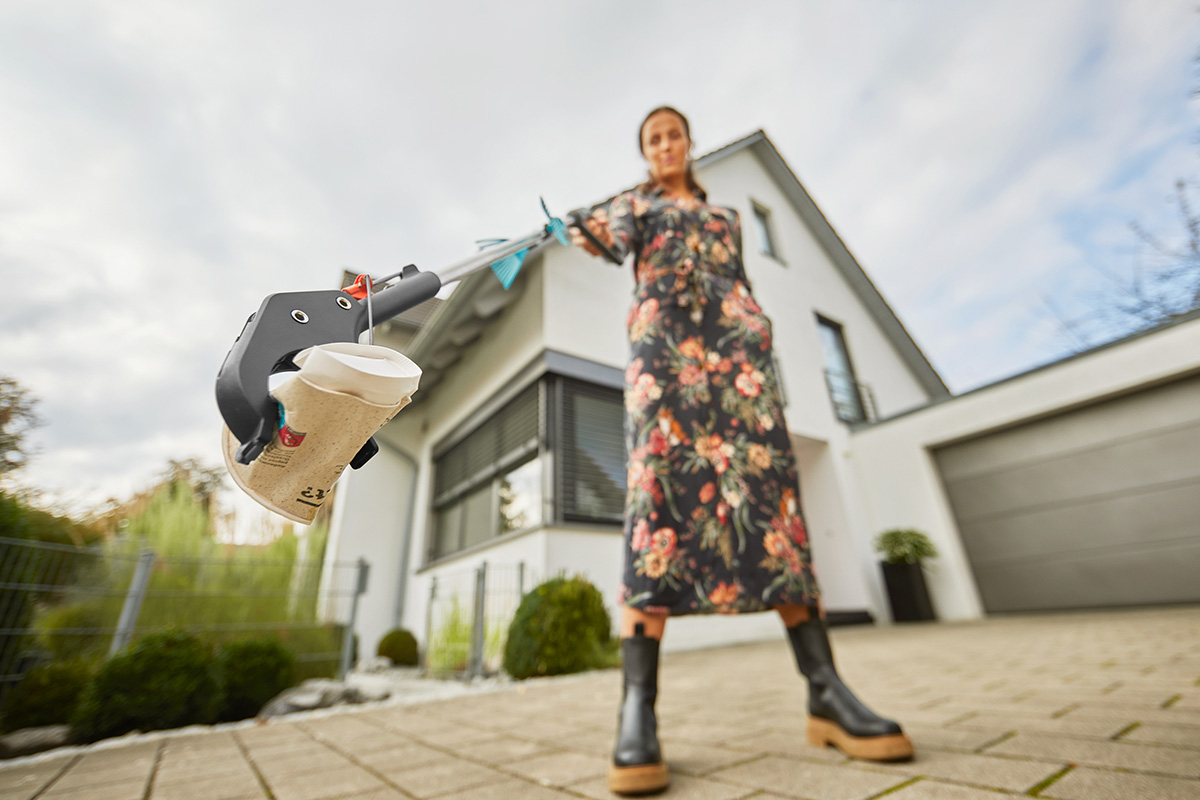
[429, 624]
[360, 587]
[520, 580]
[477, 627]
[133, 602]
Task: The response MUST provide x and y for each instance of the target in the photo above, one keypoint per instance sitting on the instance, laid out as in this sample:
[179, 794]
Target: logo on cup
[289, 437]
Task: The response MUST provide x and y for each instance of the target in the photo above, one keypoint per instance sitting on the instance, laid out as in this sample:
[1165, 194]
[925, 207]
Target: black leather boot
[836, 716]
[638, 766]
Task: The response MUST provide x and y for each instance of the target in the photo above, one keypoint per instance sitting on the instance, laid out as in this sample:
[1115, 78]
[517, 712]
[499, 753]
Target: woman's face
[665, 146]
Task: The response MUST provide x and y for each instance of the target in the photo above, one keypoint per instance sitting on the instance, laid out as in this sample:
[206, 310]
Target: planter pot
[907, 592]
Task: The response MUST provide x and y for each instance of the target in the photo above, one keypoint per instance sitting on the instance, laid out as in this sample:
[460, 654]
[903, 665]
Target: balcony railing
[852, 401]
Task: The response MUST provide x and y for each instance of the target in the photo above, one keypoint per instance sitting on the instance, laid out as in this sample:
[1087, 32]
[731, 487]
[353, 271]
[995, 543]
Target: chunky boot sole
[895, 747]
[638, 779]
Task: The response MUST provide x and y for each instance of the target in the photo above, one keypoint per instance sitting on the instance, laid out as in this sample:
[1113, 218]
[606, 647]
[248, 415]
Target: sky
[165, 166]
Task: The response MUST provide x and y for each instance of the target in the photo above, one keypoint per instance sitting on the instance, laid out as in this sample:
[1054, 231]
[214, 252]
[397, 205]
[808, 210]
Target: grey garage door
[1099, 506]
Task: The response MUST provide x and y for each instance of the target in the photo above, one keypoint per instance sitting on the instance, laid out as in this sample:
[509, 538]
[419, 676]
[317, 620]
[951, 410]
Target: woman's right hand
[598, 225]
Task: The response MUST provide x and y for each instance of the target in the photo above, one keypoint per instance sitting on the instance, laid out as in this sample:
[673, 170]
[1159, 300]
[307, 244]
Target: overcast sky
[164, 166]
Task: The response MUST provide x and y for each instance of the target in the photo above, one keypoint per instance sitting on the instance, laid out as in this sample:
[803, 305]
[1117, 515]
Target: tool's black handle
[578, 218]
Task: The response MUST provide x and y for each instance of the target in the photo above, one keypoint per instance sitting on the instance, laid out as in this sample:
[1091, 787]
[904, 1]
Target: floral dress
[712, 517]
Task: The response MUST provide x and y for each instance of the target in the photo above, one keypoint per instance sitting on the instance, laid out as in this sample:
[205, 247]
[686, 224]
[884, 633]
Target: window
[765, 230]
[844, 389]
[490, 482]
[592, 460]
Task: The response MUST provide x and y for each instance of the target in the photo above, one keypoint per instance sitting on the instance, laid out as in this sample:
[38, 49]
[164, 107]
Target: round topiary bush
[47, 695]
[166, 680]
[400, 646]
[251, 672]
[561, 626]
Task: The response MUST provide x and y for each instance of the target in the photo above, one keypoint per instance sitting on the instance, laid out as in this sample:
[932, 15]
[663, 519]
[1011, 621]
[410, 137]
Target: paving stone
[683, 787]
[560, 769]
[929, 736]
[502, 749]
[1137, 757]
[699, 759]
[1181, 735]
[980, 770]
[24, 781]
[786, 743]
[453, 774]
[1086, 783]
[929, 789]
[125, 790]
[598, 741]
[1096, 728]
[806, 779]
[323, 784]
[409, 756]
[509, 789]
[219, 787]
[79, 776]
[183, 771]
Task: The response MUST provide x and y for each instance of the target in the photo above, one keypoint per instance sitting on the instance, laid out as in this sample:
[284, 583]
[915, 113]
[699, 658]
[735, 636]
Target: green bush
[561, 626]
[400, 646]
[251, 672]
[904, 546]
[78, 631]
[166, 680]
[47, 695]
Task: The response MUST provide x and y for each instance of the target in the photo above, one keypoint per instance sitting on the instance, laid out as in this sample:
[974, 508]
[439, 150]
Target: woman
[712, 522]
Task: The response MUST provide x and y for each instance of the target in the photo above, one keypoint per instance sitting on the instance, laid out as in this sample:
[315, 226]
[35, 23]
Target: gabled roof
[457, 322]
[838, 253]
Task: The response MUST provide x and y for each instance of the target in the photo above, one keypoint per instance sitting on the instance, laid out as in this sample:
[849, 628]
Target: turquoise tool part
[506, 268]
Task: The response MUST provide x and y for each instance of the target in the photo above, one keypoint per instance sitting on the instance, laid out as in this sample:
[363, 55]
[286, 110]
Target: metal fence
[59, 602]
[467, 619]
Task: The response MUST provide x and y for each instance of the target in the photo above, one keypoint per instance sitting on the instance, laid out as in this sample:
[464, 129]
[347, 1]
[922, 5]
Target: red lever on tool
[358, 289]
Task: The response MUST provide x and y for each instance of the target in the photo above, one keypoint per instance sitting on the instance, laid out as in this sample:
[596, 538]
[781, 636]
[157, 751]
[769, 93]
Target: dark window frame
[846, 380]
[764, 227]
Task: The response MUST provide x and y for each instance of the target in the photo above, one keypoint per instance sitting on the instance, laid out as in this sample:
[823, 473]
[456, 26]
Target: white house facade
[512, 451]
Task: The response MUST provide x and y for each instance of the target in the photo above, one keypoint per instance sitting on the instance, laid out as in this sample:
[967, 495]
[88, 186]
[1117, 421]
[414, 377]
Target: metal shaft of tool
[485, 258]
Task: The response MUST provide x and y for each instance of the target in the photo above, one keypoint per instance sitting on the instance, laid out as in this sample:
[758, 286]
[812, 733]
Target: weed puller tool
[278, 336]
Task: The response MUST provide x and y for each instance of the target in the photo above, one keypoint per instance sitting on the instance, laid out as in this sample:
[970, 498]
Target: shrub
[449, 647]
[79, 630]
[166, 680]
[400, 646]
[904, 546]
[561, 626]
[47, 695]
[251, 672]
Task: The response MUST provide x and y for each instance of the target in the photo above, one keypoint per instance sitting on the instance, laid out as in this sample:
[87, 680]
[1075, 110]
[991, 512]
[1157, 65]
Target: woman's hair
[692, 183]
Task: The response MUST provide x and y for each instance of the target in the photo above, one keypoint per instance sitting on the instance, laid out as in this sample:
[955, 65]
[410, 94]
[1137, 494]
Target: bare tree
[18, 416]
[1162, 285]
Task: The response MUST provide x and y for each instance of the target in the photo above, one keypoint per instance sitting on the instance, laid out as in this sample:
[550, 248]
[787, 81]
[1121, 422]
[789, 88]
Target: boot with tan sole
[836, 716]
[638, 766]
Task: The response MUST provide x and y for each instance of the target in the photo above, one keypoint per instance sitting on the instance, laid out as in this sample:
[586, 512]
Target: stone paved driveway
[1072, 706]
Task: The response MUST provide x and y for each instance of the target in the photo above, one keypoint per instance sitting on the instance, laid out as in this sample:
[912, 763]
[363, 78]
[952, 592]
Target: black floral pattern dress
[712, 517]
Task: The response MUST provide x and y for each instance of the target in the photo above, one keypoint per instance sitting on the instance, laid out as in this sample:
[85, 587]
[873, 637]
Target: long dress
[712, 516]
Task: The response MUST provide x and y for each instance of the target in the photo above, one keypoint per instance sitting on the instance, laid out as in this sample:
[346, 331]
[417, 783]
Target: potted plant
[903, 549]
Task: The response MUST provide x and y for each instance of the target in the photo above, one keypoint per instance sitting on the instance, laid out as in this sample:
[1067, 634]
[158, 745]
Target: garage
[1096, 506]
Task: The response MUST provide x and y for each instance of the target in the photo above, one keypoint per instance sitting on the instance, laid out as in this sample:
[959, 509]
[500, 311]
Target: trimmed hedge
[560, 627]
[400, 646]
[47, 695]
[166, 680]
[251, 672]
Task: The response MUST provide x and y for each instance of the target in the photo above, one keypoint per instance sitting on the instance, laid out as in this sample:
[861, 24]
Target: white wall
[901, 486]
[369, 522]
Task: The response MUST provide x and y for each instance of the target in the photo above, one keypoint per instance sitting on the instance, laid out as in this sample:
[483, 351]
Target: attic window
[766, 235]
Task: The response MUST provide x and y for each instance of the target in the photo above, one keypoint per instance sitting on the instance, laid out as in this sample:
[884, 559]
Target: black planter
[907, 592]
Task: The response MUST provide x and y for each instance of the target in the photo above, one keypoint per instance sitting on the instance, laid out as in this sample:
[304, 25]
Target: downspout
[408, 529]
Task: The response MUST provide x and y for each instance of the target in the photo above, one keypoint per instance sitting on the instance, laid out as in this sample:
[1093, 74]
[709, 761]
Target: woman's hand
[598, 225]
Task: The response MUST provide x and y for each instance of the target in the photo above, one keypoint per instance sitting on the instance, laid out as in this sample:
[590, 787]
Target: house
[512, 453]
